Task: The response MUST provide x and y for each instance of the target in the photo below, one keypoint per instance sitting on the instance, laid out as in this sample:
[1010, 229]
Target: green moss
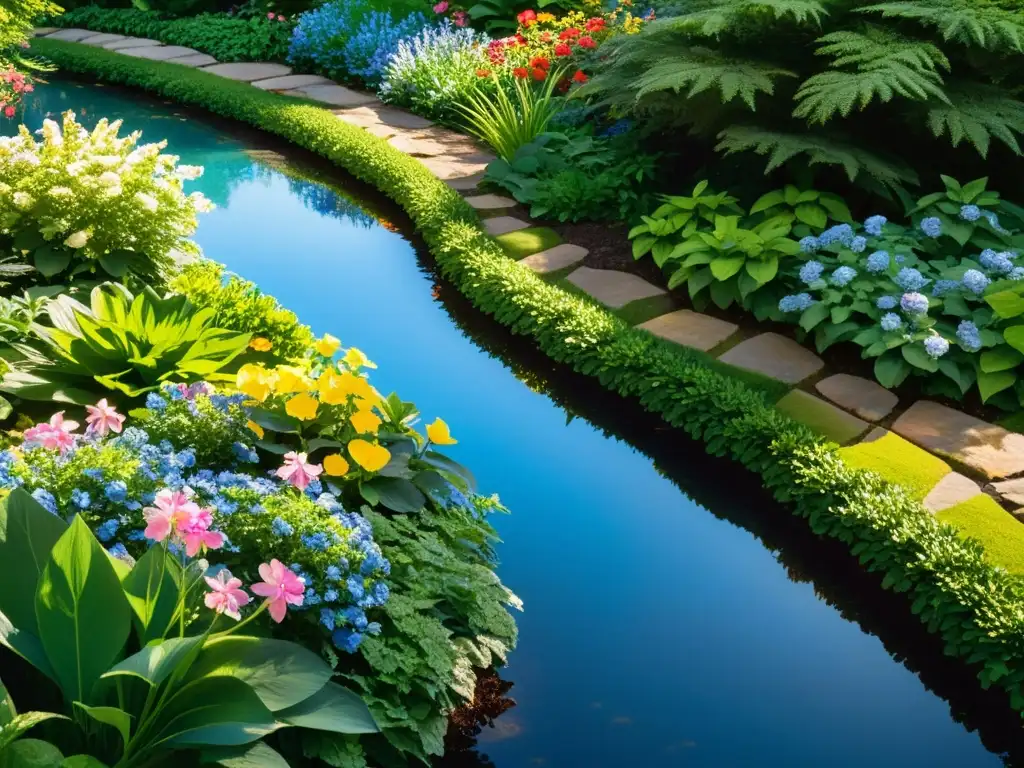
[822, 417]
[642, 310]
[998, 531]
[898, 461]
[526, 242]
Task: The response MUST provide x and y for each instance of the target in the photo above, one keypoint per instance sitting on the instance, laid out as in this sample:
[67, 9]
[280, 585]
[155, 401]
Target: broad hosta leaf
[154, 663]
[217, 711]
[112, 716]
[276, 422]
[51, 261]
[891, 369]
[1015, 337]
[26, 645]
[1006, 303]
[152, 588]
[397, 494]
[443, 463]
[917, 356]
[21, 723]
[992, 383]
[1002, 358]
[333, 708]
[257, 755]
[31, 753]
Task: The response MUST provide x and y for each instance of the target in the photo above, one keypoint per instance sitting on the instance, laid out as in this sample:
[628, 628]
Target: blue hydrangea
[936, 346]
[858, 244]
[318, 541]
[891, 322]
[1017, 274]
[346, 639]
[281, 528]
[878, 262]
[931, 226]
[942, 287]
[331, 596]
[975, 281]
[80, 498]
[107, 530]
[840, 233]
[333, 573]
[370, 48]
[797, 303]
[116, 491]
[970, 212]
[311, 598]
[993, 220]
[327, 618]
[910, 279]
[969, 336]
[355, 587]
[93, 473]
[46, 500]
[1001, 263]
[886, 302]
[843, 275]
[811, 271]
[244, 453]
[809, 244]
[914, 303]
[155, 403]
[873, 225]
[119, 552]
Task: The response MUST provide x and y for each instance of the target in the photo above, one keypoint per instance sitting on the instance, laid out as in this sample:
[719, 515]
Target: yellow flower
[260, 344]
[291, 379]
[365, 421]
[252, 425]
[328, 345]
[367, 403]
[335, 465]
[302, 406]
[355, 359]
[544, 18]
[439, 433]
[369, 456]
[254, 381]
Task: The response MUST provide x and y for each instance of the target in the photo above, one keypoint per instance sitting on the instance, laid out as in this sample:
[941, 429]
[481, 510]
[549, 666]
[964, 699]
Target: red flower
[569, 34]
[496, 56]
[545, 37]
[579, 77]
[521, 73]
[483, 73]
[595, 24]
[520, 39]
[539, 62]
[539, 74]
[563, 86]
[586, 42]
[527, 17]
[562, 50]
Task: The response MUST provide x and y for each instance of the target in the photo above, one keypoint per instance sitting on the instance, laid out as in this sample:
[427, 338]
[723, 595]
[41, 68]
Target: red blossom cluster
[13, 85]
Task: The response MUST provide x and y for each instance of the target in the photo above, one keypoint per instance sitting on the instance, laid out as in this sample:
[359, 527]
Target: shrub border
[976, 608]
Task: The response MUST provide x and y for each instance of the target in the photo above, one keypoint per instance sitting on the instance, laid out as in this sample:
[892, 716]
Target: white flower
[189, 172]
[77, 240]
[109, 179]
[59, 192]
[201, 203]
[23, 200]
[26, 157]
[113, 191]
[75, 168]
[51, 132]
[148, 201]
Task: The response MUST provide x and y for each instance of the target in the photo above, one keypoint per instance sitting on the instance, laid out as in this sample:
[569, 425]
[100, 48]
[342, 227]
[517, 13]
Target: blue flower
[118, 552]
[914, 303]
[310, 598]
[873, 225]
[327, 618]
[878, 262]
[46, 500]
[942, 287]
[355, 587]
[969, 336]
[970, 212]
[931, 226]
[318, 541]
[132, 437]
[281, 528]
[993, 220]
[331, 596]
[80, 498]
[910, 279]
[840, 233]
[891, 322]
[1017, 274]
[245, 453]
[797, 303]
[154, 402]
[347, 640]
[886, 302]
[936, 346]
[975, 281]
[809, 244]
[843, 275]
[93, 473]
[368, 51]
[137, 535]
[116, 491]
[108, 529]
[998, 262]
[333, 573]
[858, 244]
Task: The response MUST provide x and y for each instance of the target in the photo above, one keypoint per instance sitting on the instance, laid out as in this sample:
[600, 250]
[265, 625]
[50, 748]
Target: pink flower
[227, 596]
[281, 587]
[297, 472]
[280, 17]
[441, 7]
[460, 18]
[270, 15]
[172, 509]
[9, 111]
[196, 534]
[103, 418]
[55, 435]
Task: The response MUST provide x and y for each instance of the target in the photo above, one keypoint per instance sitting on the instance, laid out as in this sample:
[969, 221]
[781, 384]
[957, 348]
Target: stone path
[847, 409]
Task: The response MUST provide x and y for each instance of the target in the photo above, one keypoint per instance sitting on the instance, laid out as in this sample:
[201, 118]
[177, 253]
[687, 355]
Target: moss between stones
[526, 242]
[898, 461]
[642, 310]
[983, 519]
[822, 417]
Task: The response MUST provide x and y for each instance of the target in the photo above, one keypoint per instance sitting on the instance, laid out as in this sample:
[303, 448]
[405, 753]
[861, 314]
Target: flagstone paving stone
[447, 168]
[554, 259]
[288, 82]
[195, 60]
[611, 288]
[71, 35]
[491, 203]
[777, 357]
[465, 183]
[866, 398]
[1011, 490]
[247, 71]
[43, 31]
[950, 491]
[336, 95]
[501, 225]
[102, 39]
[691, 329]
[823, 417]
[163, 52]
[130, 42]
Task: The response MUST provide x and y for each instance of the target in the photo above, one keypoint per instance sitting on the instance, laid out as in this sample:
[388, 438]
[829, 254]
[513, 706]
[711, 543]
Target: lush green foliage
[16, 21]
[975, 607]
[803, 81]
[81, 205]
[573, 175]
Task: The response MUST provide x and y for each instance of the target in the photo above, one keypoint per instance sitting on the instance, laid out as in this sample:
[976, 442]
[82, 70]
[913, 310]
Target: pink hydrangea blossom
[171, 510]
[227, 596]
[54, 435]
[103, 418]
[441, 7]
[270, 15]
[297, 471]
[281, 587]
[196, 534]
[460, 18]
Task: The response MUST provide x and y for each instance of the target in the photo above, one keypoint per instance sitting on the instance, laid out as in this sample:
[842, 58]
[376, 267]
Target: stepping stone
[195, 60]
[448, 167]
[866, 398]
[336, 95]
[777, 357]
[823, 417]
[984, 449]
[102, 39]
[499, 225]
[951, 490]
[130, 42]
[465, 183]
[1011, 490]
[42, 31]
[691, 329]
[379, 113]
[71, 35]
[288, 82]
[379, 130]
[491, 203]
[411, 145]
[611, 288]
[554, 259]
[162, 52]
[247, 71]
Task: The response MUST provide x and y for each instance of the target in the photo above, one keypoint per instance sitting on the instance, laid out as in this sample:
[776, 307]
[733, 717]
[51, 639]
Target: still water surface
[655, 633]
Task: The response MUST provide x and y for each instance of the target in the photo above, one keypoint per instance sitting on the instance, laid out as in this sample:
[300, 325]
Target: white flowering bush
[79, 204]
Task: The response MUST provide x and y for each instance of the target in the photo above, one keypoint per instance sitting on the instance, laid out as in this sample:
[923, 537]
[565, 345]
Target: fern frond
[699, 69]
[965, 21]
[780, 148]
[885, 65]
[977, 112]
[710, 19]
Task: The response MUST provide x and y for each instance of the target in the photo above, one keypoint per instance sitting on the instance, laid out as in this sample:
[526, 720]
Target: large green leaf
[31, 753]
[281, 673]
[83, 617]
[992, 383]
[19, 724]
[26, 645]
[891, 369]
[725, 267]
[442, 462]
[156, 662]
[1014, 336]
[82, 761]
[27, 535]
[276, 422]
[216, 711]
[1006, 303]
[7, 708]
[152, 588]
[257, 755]
[1002, 358]
[397, 494]
[334, 709]
[917, 356]
[51, 261]
[112, 716]
[763, 270]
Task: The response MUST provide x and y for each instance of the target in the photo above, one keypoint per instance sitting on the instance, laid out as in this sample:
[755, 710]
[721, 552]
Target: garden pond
[657, 630]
